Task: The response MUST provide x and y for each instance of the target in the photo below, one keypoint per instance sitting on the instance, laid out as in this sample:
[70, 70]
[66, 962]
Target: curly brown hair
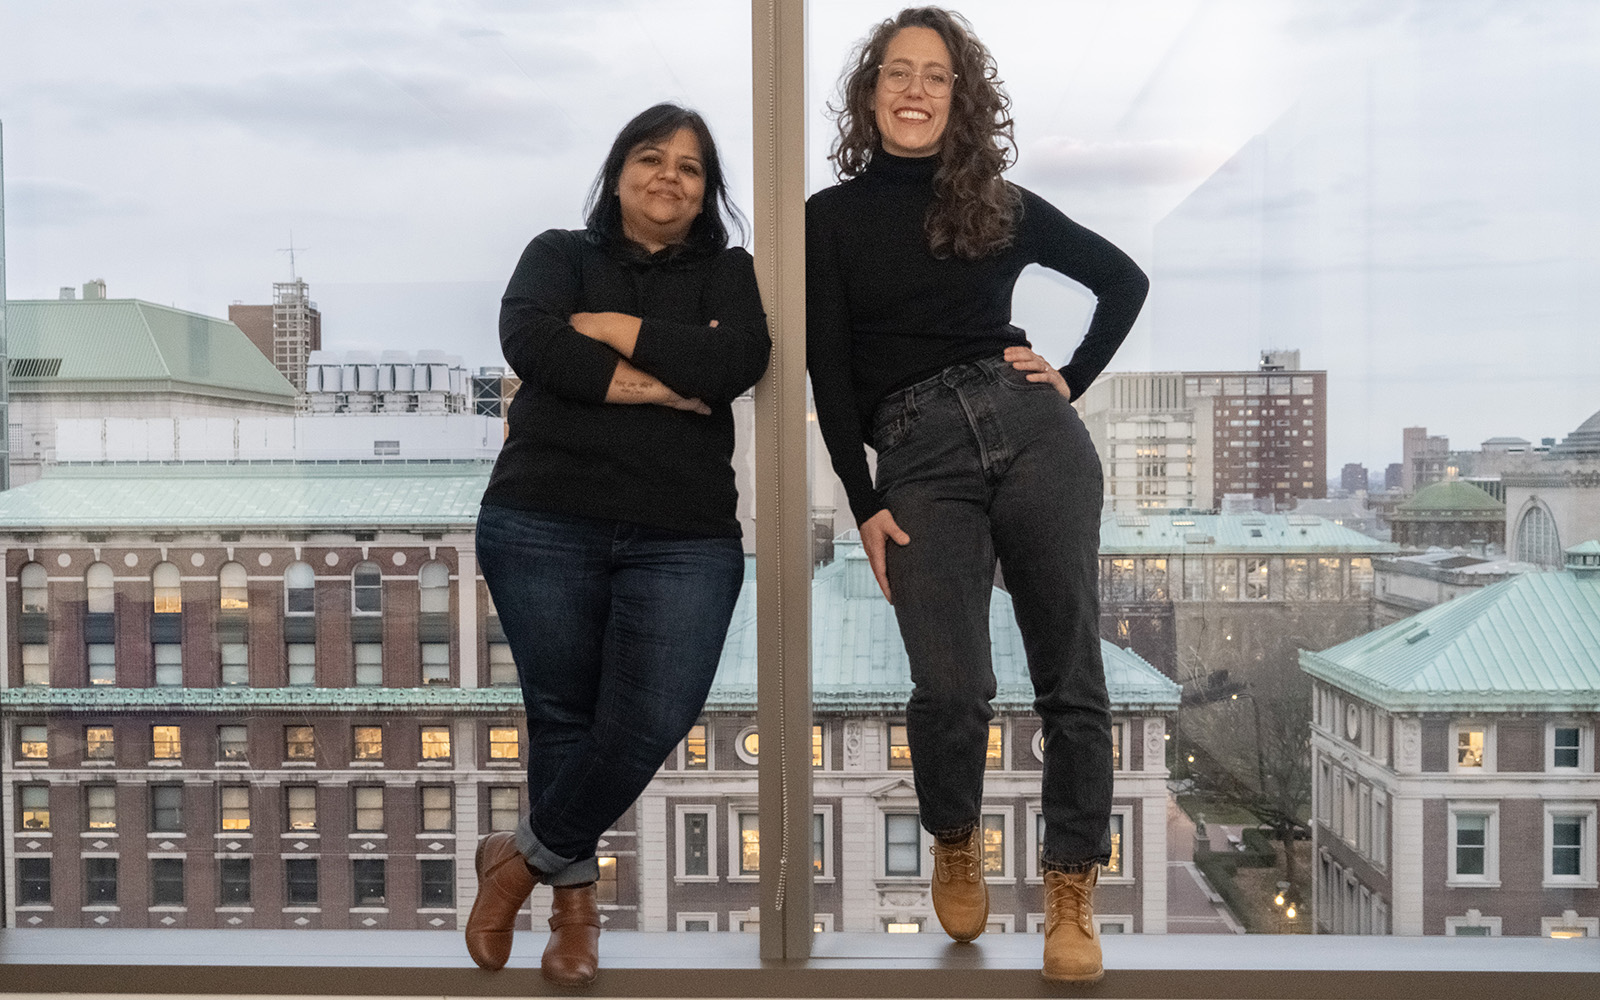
[974, 210]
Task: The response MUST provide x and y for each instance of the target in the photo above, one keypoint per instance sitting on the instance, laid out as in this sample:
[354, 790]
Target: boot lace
[956, 862]
[1071, 898]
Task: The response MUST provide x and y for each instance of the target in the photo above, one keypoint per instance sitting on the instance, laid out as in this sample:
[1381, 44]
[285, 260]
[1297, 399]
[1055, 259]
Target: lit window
[438, 889]
[1296, 579]
[235, 664]
[35, 807]
[233, 881]
[502, 668]
[1361, 576]
[749, 844]
[100, 881]
[433, 579]
[1116, 746]
[1155, 580]
[36, 664]
[1469, 748]
[994, 757]
[436, 663]
[902, 850]
[101, 588]
[438, 809]
[166, 808]
[166, 881]
[605, 887]
[35, 589]
[899, 748]
[369, 808]
[299, 743]
[993, 838]
[1225, 579]
[33, 742]
[819, 844]
[166, 743]
[169, 664]
[366, 589]
[902, 926]
[299, 589]
[233, 744]
[505, 809]
[301, 801]
[102, 663]
[235, 807]
[235, 587]
[694, 748]
[369, 664]
[816, 746]
[1328, 584]
[168, 592]
[99, 743]
[302, 664]
[435, 742]
[503, 743]
[1114, 866]
[1256, 580]
[300, 874]
[368, 742]
[100, 802]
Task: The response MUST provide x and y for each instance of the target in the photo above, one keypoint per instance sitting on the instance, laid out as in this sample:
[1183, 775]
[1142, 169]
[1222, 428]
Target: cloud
[1119, 163]
[46, 201]
[361, 109]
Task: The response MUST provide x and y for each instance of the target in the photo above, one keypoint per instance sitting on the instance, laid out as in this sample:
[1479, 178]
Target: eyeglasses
[935, 82]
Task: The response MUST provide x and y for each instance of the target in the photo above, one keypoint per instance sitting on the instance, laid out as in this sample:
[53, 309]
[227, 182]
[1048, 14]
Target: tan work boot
[1071, 939]
[504, 881]
[960, 895]
[572, 958]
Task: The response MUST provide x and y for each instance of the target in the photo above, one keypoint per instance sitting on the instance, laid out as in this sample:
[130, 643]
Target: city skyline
[412, 155]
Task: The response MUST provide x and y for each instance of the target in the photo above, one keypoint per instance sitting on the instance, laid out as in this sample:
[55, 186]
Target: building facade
[1554, 503]
[1447, 514]
[1425, 459]
[286, 331]
[279, 697]
[1196, 594]
[1454, 768]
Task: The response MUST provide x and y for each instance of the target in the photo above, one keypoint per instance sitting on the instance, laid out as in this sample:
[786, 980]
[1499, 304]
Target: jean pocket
[891, 427]
[1013, 378]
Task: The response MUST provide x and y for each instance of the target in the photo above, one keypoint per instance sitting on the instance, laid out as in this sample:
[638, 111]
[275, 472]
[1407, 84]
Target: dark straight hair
[709, 231]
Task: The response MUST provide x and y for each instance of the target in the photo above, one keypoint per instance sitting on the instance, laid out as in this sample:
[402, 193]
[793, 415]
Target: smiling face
[662, 189]
[912, 123]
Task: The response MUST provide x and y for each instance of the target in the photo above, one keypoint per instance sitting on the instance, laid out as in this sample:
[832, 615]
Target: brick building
[1454, 768]
[1449, 513]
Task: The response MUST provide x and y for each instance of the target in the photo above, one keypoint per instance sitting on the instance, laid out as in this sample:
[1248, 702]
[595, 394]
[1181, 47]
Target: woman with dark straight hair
[608, 535]
[910, 265]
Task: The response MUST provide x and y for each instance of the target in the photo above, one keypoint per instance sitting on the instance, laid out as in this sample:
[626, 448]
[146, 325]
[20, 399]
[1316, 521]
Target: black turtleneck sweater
[883, 313]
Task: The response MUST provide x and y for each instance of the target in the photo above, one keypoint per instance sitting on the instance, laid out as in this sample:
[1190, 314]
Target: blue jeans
[616, 629]
[979, 464]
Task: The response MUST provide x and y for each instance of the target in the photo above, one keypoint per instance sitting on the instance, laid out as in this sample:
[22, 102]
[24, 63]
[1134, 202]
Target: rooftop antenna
[290, 250]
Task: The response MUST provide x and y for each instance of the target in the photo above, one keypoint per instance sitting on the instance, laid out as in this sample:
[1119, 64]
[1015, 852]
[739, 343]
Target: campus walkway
[1192, 906]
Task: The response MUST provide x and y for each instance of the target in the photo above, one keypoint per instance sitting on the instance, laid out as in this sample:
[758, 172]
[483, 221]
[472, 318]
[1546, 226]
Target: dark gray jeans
[977, 463]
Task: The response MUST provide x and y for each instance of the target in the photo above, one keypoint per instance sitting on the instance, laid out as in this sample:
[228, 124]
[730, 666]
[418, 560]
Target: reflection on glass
[99, 743]
[368, 742]
[166, 743]
[301, 801]
[435, 742]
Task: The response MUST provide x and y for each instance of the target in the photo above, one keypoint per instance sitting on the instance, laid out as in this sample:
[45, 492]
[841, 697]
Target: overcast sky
[1442, 151]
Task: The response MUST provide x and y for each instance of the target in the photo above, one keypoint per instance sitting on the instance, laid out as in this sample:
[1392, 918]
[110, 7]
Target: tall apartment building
[1183, 440]
[279, 696]
[286, 331]
[1454, 768]
[1353, 478]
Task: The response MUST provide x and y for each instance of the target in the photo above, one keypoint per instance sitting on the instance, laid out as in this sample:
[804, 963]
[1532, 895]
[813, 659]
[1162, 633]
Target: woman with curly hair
[911, 261]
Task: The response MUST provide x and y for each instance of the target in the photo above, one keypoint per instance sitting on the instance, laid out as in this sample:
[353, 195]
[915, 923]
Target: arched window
[235, 588]
[169, 595]
[434, 579]
[102, 591]
[35, 589]
[299, 589]
[367, 589]
[1538, 542]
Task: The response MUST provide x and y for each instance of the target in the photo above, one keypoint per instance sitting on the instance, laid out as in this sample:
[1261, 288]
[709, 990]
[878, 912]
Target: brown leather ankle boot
[504, 881]
[960, 895]
[1071, 939]
[572, 958]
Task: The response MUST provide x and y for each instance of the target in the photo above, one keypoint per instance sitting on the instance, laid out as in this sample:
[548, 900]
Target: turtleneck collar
[902, 169]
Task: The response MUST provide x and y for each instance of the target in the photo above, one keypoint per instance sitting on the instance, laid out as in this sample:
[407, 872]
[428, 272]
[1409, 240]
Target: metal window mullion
[783, 564]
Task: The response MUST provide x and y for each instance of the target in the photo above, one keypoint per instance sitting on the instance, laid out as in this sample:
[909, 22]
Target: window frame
[1490, 809]
[1585, 748]
[681, 845]
[1585, 812]
[1457, 727]
[924, 841]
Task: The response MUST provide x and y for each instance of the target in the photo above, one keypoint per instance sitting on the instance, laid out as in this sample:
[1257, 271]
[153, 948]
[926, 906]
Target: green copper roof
[1529, 643]
[1451, 496]
[213, 497]
[80, 345]
[859, 663]
[1157, 533]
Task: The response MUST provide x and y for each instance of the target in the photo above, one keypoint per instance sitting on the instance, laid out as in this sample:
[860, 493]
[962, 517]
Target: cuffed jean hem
[557, 871]
[954, 833]
[1075, 868]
